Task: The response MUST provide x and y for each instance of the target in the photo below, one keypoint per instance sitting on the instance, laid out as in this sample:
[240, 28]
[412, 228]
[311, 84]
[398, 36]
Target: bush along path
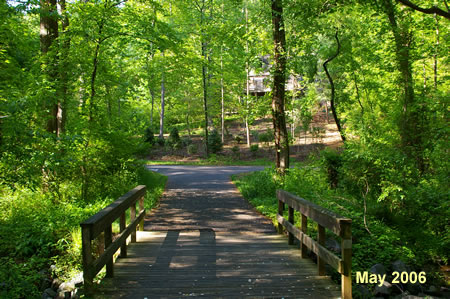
[40, 243]
[379, 247]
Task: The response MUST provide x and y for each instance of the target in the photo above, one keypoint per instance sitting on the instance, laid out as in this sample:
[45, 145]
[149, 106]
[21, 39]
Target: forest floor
[320, 134]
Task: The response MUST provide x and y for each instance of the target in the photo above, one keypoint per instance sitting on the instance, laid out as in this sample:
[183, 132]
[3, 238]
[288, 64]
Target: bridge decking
[177, 264]
[206, 241]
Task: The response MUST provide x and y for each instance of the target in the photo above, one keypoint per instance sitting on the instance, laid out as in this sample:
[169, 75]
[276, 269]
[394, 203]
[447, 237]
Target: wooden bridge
[213, 263]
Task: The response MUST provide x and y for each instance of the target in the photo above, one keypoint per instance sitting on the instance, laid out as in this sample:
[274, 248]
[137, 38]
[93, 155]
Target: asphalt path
[203, 197]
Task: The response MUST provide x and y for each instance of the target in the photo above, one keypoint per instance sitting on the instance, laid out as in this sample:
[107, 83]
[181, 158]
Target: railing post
[291, 220]
[108, 241]
[123, 248]
[304, 229]
[132, 217]
[321, 241]
[346, 249]
[87, 258]
[280, 211]
[141, 208]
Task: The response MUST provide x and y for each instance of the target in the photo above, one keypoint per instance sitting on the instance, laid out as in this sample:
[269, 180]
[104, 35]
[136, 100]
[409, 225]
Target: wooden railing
[325, 219]
[102, 223]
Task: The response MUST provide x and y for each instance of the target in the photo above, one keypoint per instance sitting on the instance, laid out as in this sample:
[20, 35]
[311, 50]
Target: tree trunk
[247, 131]
[435, 65]
[149, 86]
[93, 77]
[247, 71]
[48, 35]
[222, 99]
[161, 116]
[64, 66]
[333, 92]
[221, 84]
[205, 94]
[410, 131]
[279, 78]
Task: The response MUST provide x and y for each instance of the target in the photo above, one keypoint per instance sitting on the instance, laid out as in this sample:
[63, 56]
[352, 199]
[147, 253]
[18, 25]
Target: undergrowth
[379, 241]
[37, 231]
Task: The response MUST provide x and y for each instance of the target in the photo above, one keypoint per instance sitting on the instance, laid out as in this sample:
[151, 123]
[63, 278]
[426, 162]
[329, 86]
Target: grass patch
[214, 160]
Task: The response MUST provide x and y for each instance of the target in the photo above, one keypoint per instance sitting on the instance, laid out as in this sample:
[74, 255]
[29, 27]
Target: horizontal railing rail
[339, 225]
[102, 223]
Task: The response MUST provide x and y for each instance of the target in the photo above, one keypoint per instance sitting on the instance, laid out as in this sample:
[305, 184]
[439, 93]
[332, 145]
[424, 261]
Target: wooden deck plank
[178, 264]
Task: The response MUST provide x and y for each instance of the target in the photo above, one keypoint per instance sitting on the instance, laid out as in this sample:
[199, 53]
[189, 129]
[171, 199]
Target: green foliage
[174, 139]
[311, 183]
[37, 231]
[236, 151]
[394, 160]
[149, 136]
[161, 141]
[267, 136]
[238, 139]
[191, 149]
[331, 161]
[255, 135]
[404, 218]
[186, 141]
[214, 142]
[254, 149]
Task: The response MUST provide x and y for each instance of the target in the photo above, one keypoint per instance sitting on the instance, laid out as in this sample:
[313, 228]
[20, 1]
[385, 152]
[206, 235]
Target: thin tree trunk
[64, 66]
[222, 87]
[149, 86]
[205, 95]
[247, 71]
[93, 77]
[48, 35]
[435, 66]
[247, 131]
[222, 99]
[333, 93]
[358, 97]
[279, 78]
[163, 92]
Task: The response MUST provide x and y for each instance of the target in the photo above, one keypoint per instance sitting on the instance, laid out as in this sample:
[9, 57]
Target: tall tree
[163, 98]
[278, 91]
[411, 134]
[48, 36]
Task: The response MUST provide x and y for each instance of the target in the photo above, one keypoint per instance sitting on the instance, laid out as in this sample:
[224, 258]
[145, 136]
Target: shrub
[331, 160]
[214, 142]
[254, 149]
[174, 140]
[236, 151]
[255, 135]
[238, 139]
[191, 149]
[160, 141]
[186, 141]
[267, 136]
[149, 136]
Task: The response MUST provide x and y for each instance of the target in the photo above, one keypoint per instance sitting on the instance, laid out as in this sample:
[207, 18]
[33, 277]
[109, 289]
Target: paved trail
[206, 241]
[204, 198]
